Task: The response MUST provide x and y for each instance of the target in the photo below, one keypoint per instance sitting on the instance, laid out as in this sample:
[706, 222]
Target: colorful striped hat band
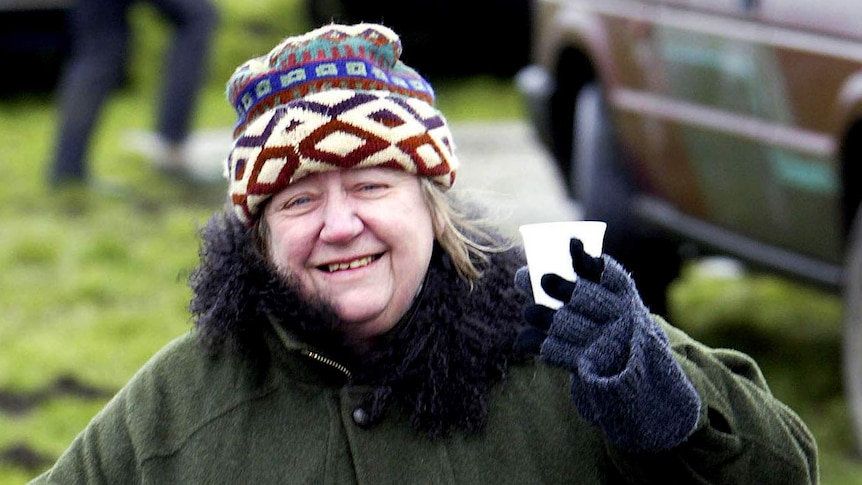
[333, 99]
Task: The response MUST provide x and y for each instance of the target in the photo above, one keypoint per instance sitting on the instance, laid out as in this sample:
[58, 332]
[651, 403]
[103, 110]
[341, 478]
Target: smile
[356, 263]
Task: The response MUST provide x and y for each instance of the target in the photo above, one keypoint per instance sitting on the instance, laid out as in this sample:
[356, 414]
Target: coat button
[360, 417]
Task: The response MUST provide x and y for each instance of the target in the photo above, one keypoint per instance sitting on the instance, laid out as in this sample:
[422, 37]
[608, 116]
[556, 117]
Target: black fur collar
[438, 364]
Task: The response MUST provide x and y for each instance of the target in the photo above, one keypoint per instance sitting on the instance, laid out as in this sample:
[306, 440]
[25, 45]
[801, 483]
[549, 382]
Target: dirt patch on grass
[17, 403]
[13, 403]
[24, 457]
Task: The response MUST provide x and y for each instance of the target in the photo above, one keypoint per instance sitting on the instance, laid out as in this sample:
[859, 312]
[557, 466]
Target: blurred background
[93, 277]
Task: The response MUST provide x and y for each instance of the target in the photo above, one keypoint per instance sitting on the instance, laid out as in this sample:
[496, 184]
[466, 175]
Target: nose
[341, 223]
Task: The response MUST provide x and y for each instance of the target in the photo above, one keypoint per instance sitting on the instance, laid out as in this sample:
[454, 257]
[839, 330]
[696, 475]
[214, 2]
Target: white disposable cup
[547, 249]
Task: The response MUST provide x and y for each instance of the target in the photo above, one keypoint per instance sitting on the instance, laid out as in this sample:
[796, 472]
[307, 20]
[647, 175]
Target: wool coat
[258, 392]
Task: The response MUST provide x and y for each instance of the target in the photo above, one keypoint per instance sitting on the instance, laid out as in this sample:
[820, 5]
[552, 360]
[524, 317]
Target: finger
[539, 316]
[585, 266]
[522, 281]
[618, 281]
[558, 287]
[530, 340]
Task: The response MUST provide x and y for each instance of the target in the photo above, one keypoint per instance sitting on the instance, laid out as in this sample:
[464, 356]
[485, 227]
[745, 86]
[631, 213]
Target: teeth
[351, 265]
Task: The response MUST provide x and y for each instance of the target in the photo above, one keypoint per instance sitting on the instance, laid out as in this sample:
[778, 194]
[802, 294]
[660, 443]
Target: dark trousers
[100, 30]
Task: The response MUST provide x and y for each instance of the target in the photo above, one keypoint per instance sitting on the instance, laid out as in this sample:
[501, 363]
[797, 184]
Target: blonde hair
[466, 237]
[461, 232]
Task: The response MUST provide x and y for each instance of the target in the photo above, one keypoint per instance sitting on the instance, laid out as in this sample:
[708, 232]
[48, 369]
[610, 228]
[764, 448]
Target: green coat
[190, 418]
[242, 399]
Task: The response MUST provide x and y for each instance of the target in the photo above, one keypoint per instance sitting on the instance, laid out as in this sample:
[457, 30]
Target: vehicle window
[733, 74]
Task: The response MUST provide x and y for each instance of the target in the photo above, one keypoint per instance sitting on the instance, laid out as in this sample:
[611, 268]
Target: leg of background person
[100, 39]
[195, 22]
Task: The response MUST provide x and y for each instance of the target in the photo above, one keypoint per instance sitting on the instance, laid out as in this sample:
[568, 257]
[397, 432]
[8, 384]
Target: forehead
[322, 181]
[352, 175]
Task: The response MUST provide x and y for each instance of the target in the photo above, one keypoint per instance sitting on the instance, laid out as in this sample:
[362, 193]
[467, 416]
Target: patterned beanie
[335, 98]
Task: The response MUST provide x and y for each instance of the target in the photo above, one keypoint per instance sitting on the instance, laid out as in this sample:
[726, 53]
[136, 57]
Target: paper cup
[547, 248]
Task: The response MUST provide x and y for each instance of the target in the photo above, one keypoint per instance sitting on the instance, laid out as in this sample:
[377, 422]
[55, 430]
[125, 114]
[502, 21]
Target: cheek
[288, 253]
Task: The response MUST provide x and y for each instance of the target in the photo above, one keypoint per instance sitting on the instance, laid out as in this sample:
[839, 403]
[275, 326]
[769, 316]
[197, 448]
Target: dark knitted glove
[624, 376]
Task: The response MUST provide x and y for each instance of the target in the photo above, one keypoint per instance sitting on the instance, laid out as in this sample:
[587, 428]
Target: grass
[94, 280]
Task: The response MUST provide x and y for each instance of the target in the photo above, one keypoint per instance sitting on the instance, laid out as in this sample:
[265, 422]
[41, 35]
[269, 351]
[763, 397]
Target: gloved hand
[624, 376]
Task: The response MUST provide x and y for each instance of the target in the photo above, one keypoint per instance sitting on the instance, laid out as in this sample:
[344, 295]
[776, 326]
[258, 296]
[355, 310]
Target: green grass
[94, 280]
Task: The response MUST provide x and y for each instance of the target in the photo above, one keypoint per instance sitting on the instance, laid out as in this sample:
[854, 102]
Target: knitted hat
[335, 98]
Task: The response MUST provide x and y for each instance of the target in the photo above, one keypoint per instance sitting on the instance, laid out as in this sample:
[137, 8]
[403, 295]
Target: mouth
[347, 265]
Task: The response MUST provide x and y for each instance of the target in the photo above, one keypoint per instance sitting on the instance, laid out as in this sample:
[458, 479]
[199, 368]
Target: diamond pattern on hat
[339, 143]
[270, 170]
[386, 118]
[357, 144]
[429, 155]
[273, 169]
[338, 130]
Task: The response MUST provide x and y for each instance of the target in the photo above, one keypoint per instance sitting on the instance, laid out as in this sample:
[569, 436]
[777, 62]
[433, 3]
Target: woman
[354, 324]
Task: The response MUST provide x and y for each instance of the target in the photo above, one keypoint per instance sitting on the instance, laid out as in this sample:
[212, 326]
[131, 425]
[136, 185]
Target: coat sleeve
[744, 434]
[102, 453]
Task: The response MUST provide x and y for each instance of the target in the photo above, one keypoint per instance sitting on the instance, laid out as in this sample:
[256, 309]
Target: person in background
[100, 35]
[357, 322]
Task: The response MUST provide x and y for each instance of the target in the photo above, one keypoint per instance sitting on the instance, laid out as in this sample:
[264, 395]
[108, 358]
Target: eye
[370, 187]
[297, 204]
[297, 201]
[370, 182]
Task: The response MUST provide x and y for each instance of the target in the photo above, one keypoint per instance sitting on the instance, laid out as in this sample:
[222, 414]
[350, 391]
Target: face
[359, 239]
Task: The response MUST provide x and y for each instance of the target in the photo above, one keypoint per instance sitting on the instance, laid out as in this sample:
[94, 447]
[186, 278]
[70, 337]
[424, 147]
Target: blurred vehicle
[444, 38]
[34, 43]
[729, 126]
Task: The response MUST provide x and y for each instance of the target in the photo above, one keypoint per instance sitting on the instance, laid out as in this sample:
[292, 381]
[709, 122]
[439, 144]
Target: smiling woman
[355, 323]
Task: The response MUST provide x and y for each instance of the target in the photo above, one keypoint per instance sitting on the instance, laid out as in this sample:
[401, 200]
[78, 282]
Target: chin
[357, 312]
[365, 329]
[361, 304]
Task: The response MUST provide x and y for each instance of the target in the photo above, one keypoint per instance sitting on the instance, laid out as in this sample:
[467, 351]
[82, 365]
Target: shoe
[194, 161]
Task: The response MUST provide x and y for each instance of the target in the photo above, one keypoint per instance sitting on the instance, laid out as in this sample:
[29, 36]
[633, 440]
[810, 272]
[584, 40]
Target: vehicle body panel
[733, 112]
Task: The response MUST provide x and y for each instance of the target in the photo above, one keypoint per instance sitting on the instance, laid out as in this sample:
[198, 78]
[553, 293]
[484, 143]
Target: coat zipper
[308, 353]
[328, 362]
